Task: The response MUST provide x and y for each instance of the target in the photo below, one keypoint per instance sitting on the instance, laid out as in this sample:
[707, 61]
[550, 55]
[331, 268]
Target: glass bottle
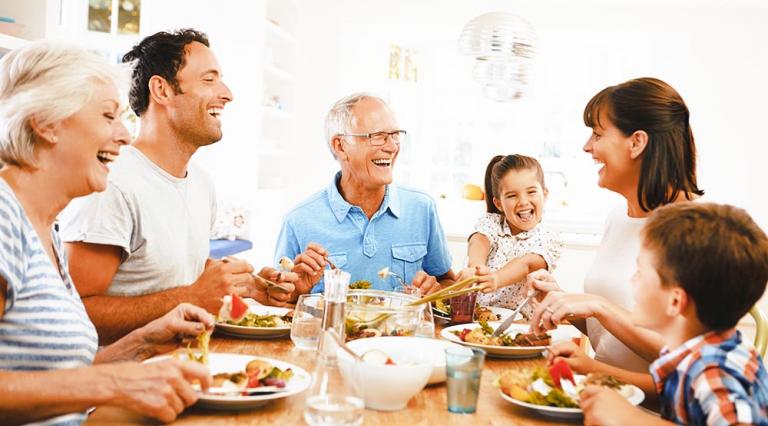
[334, 397]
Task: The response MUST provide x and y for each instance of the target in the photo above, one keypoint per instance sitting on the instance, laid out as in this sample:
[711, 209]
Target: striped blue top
[44, 325]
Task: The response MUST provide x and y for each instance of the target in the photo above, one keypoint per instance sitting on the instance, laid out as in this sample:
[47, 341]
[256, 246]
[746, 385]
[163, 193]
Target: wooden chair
[761, 330]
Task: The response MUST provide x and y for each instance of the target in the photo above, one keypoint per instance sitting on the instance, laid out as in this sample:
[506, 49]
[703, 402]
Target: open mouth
[215, 112]
[525, 215]
[382, 162]
[106, 157]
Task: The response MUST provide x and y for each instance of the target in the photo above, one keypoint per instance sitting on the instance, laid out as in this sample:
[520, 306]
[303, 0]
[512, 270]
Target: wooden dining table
[429, 407]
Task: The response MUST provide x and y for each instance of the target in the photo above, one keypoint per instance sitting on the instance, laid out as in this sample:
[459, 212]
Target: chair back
[761, 329]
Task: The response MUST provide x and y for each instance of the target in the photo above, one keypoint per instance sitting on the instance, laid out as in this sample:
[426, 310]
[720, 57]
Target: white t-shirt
[610, 276]
[162, 223]
[505, 246]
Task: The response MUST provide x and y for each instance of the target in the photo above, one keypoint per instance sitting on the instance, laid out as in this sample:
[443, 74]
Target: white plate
[562, 332]
[503, 312]
[257, 332]
[231, 363]
[635, 397]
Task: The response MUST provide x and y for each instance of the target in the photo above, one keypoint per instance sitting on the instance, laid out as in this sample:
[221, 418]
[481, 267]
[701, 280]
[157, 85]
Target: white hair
[338, 118]
[49, 82]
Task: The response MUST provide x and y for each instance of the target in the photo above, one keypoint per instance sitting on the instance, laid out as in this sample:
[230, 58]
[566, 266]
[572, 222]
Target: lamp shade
[502, 45]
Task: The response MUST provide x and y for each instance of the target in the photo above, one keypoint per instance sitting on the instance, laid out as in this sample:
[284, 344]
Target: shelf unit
[278, 99]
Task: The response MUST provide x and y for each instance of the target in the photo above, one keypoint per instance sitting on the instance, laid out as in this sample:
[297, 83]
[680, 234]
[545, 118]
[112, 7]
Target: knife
[507, 322]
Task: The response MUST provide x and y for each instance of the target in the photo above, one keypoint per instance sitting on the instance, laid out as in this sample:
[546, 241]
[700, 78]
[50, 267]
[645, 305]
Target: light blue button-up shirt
[404, 234]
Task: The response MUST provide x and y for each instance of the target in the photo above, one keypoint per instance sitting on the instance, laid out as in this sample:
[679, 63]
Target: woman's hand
[543, 282]
[167, 332]
[573, 355]
[161, 390]
[557, 305]
[605, 407]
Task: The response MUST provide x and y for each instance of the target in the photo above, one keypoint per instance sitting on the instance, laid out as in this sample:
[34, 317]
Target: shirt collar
[506, 232]
[670, 359]
[341, 207]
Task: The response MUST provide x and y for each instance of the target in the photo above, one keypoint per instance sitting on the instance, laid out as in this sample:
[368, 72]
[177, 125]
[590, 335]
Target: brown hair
[715, 252]
[498, 167]
[669, 161]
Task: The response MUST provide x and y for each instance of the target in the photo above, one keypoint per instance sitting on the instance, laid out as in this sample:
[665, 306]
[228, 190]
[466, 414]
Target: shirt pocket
[407, 259]
[339, 259]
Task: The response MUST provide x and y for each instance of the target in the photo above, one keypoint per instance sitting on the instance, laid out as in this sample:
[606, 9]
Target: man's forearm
[116, 316]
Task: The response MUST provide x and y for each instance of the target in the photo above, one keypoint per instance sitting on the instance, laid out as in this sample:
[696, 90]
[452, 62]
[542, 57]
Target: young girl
[508, 243]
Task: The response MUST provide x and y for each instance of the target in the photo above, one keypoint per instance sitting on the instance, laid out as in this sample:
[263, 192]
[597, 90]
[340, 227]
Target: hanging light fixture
[502, 45]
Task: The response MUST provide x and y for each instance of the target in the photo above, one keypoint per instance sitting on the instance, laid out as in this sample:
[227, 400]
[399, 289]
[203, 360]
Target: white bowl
[390, 387]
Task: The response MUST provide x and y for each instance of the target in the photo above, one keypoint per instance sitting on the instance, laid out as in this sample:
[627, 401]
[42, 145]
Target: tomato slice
[560, 370]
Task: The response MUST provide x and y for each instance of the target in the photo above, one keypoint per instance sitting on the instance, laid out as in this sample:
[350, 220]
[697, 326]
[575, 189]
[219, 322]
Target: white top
[610, 277]
[505, 246]
[44, 325]
[162, 223]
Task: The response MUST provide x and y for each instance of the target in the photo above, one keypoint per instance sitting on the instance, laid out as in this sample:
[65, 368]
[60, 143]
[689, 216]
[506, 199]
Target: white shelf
[278, 73]
[274, 112]
[279, 32]
[8, 43]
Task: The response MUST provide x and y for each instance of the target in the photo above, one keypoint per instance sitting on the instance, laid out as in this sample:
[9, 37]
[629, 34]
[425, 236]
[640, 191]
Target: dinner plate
[231, 363]
[562, 332]
[503, 312]
[633, 394]
[257, 332]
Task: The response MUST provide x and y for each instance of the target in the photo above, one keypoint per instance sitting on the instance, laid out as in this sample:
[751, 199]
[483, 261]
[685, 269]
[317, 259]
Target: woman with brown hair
[642, 138]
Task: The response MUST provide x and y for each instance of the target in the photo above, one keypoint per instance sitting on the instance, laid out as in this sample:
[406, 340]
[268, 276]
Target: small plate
[562, 332]
[257, 332]
[230, 363]
[635, 397]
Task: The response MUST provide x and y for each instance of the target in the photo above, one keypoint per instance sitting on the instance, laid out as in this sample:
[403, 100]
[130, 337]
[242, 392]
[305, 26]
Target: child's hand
[486, 279]
[604, 406]
[573, 355]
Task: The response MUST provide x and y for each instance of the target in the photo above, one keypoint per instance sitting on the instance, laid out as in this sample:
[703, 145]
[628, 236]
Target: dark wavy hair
[715, 252]
[498, 167]
[161, 54]
[668, 165]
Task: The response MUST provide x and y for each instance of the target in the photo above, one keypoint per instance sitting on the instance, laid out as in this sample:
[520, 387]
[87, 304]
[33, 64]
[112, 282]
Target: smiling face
[521, 199]
[367, 165]
[195, 111]
[90, 139]
[610, 149]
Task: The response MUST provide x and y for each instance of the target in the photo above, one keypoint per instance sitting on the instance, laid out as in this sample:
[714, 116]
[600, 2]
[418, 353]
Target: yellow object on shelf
[472, 192]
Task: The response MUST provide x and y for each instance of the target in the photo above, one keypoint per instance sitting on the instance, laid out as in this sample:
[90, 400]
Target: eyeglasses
[379, 138]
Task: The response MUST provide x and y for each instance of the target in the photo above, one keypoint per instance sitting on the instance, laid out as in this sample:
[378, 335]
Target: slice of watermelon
[238, 308]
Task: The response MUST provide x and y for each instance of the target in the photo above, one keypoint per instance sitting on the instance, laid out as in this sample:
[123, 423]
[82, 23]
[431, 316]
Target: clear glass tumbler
[307, 321]
[464, 369]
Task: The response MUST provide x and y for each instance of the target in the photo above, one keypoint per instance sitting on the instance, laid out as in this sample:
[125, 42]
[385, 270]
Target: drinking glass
[307, 321]
[463, 308]
[464, 368]
[426, 326]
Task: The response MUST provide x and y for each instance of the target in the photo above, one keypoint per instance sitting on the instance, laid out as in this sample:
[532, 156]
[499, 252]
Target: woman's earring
[54, 139]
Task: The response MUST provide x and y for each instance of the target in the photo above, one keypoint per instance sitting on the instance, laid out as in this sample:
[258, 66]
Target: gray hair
[340, 115]
[47, 82]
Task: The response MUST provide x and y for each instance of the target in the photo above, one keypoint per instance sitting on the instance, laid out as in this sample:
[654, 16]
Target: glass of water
[307, 321]
[464, 368]
[426, 326]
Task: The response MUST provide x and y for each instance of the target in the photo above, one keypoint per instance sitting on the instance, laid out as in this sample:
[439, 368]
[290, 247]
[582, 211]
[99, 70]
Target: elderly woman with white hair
[59, 130]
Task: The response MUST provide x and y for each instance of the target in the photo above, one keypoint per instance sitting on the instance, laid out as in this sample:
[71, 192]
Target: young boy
[701, 267]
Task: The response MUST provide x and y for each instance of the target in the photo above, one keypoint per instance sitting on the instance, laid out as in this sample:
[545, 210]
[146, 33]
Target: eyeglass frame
[371, 136]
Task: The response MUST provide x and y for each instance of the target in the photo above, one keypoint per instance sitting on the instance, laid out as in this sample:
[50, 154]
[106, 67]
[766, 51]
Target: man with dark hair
[141, 247]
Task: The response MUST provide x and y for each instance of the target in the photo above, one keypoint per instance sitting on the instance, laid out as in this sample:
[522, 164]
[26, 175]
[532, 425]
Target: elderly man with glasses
[362, 222]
